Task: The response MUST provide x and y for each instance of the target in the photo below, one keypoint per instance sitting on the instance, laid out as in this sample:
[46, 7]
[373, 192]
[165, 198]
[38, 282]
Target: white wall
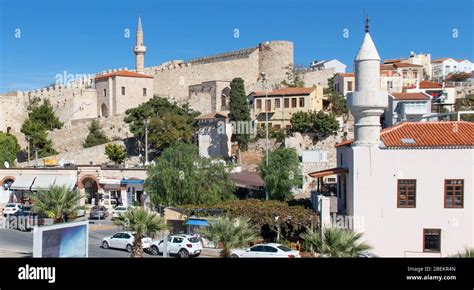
[398, 232]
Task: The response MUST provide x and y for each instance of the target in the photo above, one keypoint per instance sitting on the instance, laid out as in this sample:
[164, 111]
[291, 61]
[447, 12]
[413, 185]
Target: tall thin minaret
[139, 48]
[367, 102]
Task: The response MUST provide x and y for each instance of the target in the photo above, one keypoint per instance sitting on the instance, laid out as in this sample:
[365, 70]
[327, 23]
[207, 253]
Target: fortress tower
[367, 102]
[139, 48]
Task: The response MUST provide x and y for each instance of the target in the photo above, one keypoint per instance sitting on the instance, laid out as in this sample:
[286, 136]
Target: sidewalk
[210, 253]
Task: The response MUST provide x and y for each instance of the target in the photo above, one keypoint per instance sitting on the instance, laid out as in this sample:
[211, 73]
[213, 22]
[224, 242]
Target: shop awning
[196, 222]
[43, 182]
[109, 181]
[132, 181]
[327, 172]
[23, 182]
[68, 181]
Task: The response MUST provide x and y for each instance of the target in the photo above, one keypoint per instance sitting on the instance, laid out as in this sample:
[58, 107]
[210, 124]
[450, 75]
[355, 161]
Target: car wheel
[105, 245]
[154, 250]
[129, 248]
[183, 253]
[234, 256]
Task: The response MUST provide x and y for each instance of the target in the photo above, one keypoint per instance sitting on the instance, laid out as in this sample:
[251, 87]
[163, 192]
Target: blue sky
[88, 36]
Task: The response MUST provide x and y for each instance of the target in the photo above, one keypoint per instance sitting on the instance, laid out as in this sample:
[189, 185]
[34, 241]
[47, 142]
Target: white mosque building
[410, 184]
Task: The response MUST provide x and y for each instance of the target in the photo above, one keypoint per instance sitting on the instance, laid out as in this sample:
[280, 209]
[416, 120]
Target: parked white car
[124, 240]
[270, 250]
[11, 208]
[120, 210]
[184, 246]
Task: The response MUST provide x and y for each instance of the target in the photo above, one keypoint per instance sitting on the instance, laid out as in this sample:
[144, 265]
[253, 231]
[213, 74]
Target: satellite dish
[6, 164]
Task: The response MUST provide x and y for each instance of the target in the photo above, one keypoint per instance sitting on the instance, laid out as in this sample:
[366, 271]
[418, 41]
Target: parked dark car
[97, 213]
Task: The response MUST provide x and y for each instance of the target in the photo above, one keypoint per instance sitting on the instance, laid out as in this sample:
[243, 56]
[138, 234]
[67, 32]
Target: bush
[96, 135]
[262, 214]
[311, 122]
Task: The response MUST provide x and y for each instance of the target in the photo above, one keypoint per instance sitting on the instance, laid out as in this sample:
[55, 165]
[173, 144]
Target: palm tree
[58, 203]
[142, 224]
[466, 253]
[335, 242]
[230, 233]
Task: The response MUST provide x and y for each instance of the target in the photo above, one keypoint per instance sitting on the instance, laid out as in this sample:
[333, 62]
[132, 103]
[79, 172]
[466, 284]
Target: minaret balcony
[369, 99]
[140, 49]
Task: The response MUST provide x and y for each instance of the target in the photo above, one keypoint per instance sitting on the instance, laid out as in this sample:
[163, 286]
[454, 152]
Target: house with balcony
[282, 103]
[404, 107]
[443, 96]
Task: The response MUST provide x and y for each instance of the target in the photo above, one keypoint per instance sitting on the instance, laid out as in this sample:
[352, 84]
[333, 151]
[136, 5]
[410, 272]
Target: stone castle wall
[173, 79]
[317, 77]
[12, 115]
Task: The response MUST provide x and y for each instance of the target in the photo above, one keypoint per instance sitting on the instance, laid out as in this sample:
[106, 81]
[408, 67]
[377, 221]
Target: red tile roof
[404, 64]
[429, 85]
[286, 92]
[123, 73]
[328, 172]
[389, 61]
[346, 74]
[426, 135]
[410, 96]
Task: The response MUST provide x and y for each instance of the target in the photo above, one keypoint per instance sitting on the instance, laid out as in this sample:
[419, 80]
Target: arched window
[225, 96]
[104, 111]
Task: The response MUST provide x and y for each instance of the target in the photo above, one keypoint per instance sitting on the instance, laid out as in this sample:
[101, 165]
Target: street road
[22, 242]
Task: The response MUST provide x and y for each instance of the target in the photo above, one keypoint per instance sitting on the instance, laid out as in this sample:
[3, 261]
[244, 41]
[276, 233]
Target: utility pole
[264, 87]
[28, 140]
[36, 156]
[146, 141]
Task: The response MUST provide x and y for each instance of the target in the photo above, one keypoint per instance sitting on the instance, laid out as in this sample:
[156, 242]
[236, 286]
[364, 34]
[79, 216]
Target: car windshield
[10, 205]
[284, 248]
[120, 208]
[193, 240]
[97, 208]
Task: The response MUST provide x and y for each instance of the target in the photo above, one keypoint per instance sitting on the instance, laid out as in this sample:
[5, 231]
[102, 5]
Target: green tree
[282, 174]
[325, 124]
[41, 119]
[9, 148]
[311, 122]
[180, 176]
[338, 102]
[156, 107]
[302, 122]
[239, 111]
[44, 116]
[96, 135]
[167, 129]
[335, 242]
[229, 233]
[115, 152]
[143, 224]
[58, 203]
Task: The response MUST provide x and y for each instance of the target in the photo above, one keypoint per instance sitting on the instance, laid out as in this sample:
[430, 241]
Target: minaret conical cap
[367, 50]
[139, 25]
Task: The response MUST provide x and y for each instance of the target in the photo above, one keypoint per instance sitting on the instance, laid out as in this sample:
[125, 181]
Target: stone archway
[7, 181]
[89, 187]
[104, 111]
[225, 99]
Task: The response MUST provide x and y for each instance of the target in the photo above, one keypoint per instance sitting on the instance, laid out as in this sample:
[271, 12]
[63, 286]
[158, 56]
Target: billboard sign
[66, 240]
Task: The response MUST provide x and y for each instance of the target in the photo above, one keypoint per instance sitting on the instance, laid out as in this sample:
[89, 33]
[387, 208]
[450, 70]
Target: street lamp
[146, 141]
[264, 87]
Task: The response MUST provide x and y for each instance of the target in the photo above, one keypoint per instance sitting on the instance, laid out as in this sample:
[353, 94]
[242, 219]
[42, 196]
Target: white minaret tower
[139, 49]
[367, 102]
